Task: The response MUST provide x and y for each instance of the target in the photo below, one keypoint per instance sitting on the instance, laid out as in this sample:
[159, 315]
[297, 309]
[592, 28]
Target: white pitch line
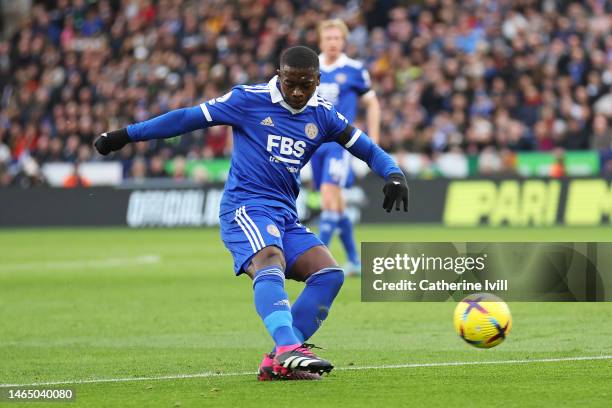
[83, 263]
[466, 363]
[382, 367]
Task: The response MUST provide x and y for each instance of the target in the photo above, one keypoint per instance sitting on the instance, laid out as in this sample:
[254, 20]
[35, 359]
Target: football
[482, 320]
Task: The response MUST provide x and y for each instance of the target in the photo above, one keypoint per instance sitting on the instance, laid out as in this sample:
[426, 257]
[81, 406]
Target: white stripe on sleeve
[353, 139]
[205, 112]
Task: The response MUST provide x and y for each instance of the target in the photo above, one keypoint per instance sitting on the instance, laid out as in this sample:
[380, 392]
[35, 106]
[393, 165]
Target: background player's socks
[346, 236]
[327, 226]
[272, 304]
[312, 306]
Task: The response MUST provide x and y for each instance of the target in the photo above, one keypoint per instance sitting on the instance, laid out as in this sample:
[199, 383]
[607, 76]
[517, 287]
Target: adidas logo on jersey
[267, 122]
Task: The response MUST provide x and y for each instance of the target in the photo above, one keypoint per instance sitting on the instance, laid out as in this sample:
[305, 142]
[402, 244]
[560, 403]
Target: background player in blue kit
[344, 82]
[276, 127]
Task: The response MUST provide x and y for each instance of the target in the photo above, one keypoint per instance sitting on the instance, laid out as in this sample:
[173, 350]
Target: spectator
[138, 171]
[601, 136]
[489, 162]
[156, 168]
[200, 175]
[179, 171]
[75, 179]
[557, 169]
[469, 75]
[576, 137]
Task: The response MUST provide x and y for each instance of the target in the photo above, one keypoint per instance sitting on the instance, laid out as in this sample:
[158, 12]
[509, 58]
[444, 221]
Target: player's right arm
[371, 102]
[225, 110]
[373, 115]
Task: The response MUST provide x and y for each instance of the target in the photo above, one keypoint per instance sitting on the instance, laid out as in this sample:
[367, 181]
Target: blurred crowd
[481, 77]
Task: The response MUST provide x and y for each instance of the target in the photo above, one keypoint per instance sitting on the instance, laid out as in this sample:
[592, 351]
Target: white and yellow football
[482, 320]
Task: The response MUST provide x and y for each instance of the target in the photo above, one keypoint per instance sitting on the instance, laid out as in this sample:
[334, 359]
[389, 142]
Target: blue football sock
[346, 236]
[313, 304]
[272, 304]
[327, 226]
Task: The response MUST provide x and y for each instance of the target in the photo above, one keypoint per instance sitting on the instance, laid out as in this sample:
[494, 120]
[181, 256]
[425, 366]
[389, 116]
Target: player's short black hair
[300, 57]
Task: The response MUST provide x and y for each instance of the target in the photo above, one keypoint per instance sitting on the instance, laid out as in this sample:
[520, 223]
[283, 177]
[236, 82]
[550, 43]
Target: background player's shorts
[331, 163]
[250, 228]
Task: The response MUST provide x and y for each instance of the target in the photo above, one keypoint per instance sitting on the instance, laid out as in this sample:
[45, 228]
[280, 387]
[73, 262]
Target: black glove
[396, 191]
[112, 141]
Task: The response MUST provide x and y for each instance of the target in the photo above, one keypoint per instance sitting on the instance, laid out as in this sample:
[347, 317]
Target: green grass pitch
[116, 304]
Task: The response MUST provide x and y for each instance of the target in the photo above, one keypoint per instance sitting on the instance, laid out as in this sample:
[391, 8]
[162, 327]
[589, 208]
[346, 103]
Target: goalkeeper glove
[112, 141]
[396, 191]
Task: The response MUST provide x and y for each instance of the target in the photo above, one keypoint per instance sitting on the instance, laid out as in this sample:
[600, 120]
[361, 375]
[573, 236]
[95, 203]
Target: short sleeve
[335, 123]
[226, 109]
[363, 82]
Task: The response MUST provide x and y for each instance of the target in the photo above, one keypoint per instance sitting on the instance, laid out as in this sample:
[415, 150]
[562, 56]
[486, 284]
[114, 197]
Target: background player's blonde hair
[333, 23]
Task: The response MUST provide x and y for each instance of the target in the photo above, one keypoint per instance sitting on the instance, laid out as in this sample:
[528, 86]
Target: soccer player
[344, 82]
[276, 126]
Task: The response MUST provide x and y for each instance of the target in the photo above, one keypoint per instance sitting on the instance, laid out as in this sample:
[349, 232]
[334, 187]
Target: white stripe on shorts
[246, 232]
[250, 221]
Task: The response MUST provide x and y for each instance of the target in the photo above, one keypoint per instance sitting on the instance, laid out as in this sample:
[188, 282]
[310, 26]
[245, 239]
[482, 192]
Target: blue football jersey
[272, 142]
[343, 83]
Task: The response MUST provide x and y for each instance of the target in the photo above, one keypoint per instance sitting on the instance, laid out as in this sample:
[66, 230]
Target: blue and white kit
[342, 84]
[272, 142]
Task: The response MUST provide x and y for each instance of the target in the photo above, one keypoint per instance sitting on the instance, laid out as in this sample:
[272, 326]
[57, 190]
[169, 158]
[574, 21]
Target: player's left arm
[360, 146]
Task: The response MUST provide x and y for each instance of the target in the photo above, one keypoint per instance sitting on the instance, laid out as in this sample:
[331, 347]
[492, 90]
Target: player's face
[331, 42]
[298, 85]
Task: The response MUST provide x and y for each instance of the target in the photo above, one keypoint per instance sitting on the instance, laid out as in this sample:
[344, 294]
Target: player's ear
[318, 78]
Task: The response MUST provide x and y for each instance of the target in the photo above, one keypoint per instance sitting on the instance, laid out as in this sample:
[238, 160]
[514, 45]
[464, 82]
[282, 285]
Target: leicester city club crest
[311, 130]
[340, 78]
[273, 230]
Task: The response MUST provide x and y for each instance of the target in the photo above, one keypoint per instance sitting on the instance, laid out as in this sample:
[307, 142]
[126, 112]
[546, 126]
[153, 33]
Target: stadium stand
[487, 87]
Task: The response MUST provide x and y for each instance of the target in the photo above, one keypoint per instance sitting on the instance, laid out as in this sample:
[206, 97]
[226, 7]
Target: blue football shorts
[250, 228]
[331, 163]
